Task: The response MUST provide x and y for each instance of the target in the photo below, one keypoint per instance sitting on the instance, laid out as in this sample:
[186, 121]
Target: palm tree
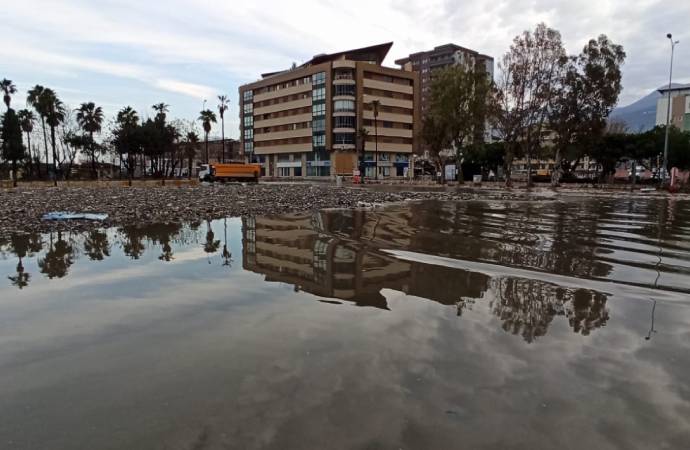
[222, 107]
[36, 99]
[8, 88]
[191, 146]
[207, 117]
[55, 116]
[126, 139]
[161, 111]
[26, 121]
[90, 119]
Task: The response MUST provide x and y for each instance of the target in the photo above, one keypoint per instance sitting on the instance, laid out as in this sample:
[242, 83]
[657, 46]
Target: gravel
[21, 209]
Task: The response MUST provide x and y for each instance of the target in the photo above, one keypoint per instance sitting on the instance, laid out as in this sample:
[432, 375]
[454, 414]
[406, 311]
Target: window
[285, 157]
[385, 171]
[298, 171]
[319, 171]
[248, 134]
[318, 78]
[318, 110]
[344, 138]
[318, 155]
[248, 96]
[248, 147]
[318, 125]
[248, 108]
[248, 121]
[344, 106]
[401, 157]
[368, 156]
[319, 141]
[387, 124]
[345, 89]
[283, 171]
[318, 94]
[344, 122]
[384, 156]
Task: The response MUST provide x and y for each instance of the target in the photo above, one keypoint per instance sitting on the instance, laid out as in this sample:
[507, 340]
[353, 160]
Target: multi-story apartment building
[441, 57]
[680, 106]
[307, 121]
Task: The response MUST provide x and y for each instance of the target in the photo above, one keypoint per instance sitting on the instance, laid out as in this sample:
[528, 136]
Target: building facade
[680, 107]
[317, 120]
[441, 57]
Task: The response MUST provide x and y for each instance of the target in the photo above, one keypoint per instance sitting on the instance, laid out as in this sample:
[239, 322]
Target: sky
[125, 52]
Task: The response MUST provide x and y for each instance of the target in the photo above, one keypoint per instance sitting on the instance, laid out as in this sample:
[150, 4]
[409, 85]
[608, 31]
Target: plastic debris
[62, 215]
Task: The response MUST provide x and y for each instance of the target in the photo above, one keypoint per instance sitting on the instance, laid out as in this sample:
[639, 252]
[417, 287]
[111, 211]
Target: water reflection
[342, 255]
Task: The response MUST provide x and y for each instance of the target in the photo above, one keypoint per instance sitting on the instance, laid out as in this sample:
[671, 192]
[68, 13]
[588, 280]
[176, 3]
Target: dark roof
[378, 51]
[675, 87]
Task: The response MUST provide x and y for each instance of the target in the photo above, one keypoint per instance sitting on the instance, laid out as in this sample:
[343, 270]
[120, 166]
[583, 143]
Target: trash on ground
[61, 215]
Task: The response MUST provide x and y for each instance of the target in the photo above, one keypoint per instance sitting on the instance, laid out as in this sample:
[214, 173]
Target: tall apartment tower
[307, 121]
[440, 57]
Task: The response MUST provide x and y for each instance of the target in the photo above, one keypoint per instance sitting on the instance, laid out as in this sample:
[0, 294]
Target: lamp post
[375, 104]
[668, 112]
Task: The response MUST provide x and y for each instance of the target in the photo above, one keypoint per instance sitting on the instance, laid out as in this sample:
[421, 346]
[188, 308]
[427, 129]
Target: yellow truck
[233, 171]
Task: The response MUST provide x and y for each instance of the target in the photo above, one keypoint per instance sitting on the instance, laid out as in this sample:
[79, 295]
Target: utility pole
[375, 104]
[664, 168]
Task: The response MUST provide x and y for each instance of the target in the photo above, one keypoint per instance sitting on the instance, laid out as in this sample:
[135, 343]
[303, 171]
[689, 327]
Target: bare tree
[524, 92]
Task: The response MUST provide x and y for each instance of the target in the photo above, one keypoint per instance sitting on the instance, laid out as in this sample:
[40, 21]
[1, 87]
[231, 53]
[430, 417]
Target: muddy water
[431, 325]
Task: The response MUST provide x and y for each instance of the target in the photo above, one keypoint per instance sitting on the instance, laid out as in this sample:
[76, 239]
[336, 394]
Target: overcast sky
[134, 52]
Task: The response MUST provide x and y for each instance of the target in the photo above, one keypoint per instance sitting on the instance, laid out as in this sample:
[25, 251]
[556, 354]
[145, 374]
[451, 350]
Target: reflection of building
[306, 121]
[336, 255]
[680, 106]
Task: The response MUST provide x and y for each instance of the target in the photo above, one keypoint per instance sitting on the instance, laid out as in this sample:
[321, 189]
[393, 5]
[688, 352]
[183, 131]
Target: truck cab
[205, 172]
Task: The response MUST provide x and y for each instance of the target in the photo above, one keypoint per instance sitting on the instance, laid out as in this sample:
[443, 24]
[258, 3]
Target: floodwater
[479, 325]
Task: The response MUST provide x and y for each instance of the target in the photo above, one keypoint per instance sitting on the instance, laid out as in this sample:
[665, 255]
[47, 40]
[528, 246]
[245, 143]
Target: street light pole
[668, 112]
[375, 104]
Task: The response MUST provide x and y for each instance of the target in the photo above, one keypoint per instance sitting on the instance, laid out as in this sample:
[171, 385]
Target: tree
[585, 96]
[437, 138]
[26, 121]
[126, 137]
[207, 117]
[96, 245]
[12, 146]
[37, 99]
[8, 89]
[524, 92]
[24, 245]
[222, 107]
[191, 146]
[161, 111]
[55, 115]
[90, 119]
[458, 107]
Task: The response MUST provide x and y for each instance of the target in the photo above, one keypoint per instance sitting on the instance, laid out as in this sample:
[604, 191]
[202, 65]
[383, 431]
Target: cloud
[212, 47]
[190, 89]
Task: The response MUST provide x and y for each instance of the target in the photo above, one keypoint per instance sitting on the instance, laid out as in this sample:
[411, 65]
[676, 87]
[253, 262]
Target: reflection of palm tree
[226, 253]
[58, 259]
[133, 245]
[96, 245]
[21, 280]
[211, 245]
[24, 245]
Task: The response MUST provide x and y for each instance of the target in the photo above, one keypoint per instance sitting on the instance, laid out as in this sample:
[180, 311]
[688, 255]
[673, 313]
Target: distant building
[680, 106]
[305, 121]
[440, 57]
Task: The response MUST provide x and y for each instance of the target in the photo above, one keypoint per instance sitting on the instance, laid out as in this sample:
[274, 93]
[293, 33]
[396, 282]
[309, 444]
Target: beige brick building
[308, 121]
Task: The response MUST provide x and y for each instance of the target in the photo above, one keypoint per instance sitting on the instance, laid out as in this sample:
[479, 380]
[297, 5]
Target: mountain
[640, 116]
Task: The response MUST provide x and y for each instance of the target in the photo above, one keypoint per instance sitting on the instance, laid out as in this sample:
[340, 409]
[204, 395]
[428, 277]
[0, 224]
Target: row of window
[288, 141]
[343, 138]
[387, 124]
[318, 78]
[388, 78]
[247, 96]
[318, 94]
[388, 109]
[285, 85]
[285, 99]
[344, 122]
[284, 113]
[388, 94]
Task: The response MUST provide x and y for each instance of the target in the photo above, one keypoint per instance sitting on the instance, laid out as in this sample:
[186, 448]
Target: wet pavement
[428, 325]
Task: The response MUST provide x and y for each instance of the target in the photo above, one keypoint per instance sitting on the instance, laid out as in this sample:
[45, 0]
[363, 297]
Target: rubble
[21, 209]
